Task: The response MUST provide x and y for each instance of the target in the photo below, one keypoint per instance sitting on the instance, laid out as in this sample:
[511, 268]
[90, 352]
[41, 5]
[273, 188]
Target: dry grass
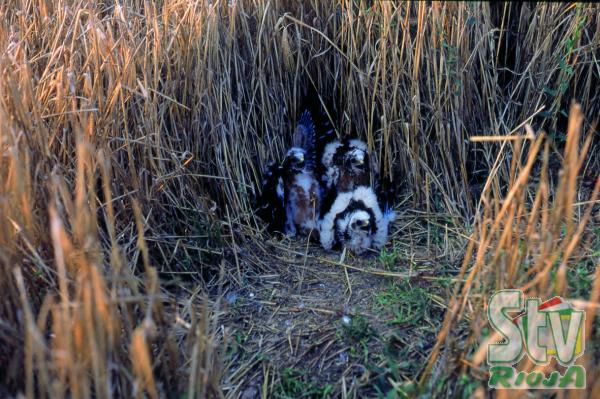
[533, 239]
[133, 133]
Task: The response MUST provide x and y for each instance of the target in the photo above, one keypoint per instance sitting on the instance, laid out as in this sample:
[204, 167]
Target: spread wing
[321, 112]
[305, 138]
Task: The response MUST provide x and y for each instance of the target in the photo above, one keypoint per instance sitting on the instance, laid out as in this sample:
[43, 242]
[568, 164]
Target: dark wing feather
[329, 197]
[321, 117]
[304, 137]
[387, 192]
[269, 204]
[321, 113]
[325, 134]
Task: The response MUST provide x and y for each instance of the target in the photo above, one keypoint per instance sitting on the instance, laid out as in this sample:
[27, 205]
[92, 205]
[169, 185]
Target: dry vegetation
[133, 133]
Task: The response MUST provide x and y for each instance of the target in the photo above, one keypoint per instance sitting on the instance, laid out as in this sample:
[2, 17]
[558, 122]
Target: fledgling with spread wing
[291, 195]
[301, 193]
[355, 220]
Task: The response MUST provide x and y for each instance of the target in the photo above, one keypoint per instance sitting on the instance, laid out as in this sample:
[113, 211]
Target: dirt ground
[330, 324]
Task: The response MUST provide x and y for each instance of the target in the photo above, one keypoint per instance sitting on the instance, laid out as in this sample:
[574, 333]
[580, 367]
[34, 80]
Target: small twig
[342, 258]
[377, 272]
[234, 246]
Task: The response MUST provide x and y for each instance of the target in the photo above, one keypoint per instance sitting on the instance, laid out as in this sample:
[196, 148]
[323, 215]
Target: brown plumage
[346, 166]
[350, 178]
[303, 201]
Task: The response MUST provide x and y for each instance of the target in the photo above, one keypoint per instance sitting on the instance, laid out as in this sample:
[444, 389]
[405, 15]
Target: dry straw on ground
[133, 134]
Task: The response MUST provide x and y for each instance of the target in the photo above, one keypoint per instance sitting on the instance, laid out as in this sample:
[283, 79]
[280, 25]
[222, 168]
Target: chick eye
[360, 225]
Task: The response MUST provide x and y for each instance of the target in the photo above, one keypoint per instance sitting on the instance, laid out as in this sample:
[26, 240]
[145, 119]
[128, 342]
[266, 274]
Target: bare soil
[328, 324]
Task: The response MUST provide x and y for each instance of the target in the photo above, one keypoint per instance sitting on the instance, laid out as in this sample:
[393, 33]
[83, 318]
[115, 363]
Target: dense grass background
[133, 135]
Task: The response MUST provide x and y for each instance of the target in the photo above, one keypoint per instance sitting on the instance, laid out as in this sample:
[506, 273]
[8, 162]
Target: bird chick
[355, 220]
[345, 166]
[301, 194]
[290, 196]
